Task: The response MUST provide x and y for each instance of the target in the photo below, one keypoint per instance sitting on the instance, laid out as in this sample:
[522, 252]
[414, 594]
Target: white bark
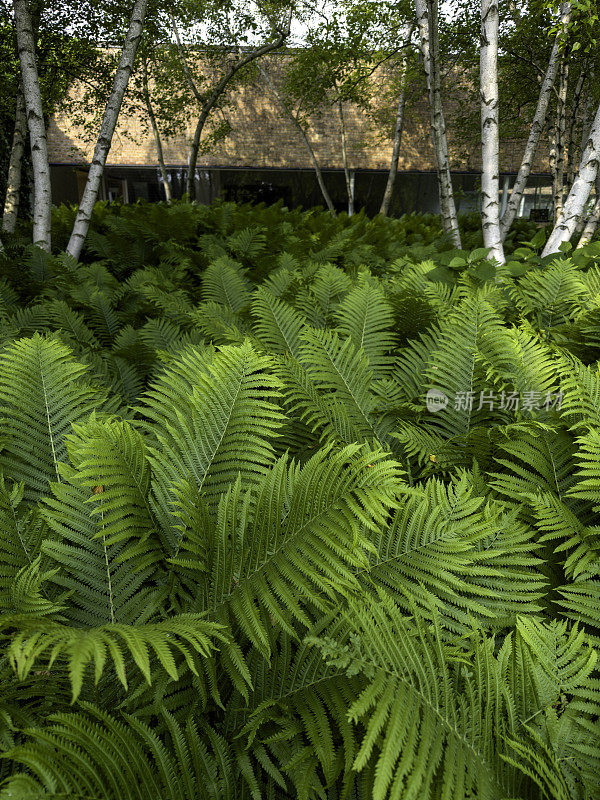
[573, 118]
[107, 129]
[216, 93]
[13, 182]
[591, 224]
[558, 187]
[580, 192]
[42, 207]
[537, 126]
[156, 132]
[347, 176]
[490, 138]
[398, 128]
[427, 17]
[305, 139]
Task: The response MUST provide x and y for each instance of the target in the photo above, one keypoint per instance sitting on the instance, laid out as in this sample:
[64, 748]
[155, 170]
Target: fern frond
[121, 758]
[38, 639]
[222, 426]
[42, 393]
[580, 386]
[426, 721]
[299, 536]
[276, 323]
[365, 316]
[473, 556]
[344, 373]
[223, 282]
[103, 588]
[538, 459]
[112, 463]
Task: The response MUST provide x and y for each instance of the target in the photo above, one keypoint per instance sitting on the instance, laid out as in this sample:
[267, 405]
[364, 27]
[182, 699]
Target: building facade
[264, 158]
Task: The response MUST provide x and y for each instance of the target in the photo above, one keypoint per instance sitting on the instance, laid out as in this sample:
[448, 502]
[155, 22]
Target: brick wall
[263, 137]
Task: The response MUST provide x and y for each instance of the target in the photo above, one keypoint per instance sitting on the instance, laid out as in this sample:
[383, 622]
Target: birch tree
[427, 21]
[42, 203]
[294, 117]
[398, 128]
[580, 192]
[107, 129]
[225, 50]
[537, 125]
[155, 133]
[234, 67]
[560, 145]
[490, 138]
[591, 224]
[13, 181]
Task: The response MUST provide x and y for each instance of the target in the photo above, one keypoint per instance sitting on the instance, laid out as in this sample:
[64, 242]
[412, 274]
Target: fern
[241, 557]
[42, 393]
[472, 556]
[366, 317]
[418, 728]
[200, 434]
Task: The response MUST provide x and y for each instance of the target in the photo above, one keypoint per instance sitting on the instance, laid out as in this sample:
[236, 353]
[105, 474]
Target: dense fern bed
[298, 507]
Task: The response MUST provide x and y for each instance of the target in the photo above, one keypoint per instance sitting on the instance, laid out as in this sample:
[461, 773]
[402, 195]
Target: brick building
[264, 158]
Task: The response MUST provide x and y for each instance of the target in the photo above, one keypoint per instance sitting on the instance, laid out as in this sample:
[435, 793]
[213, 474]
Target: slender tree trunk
[551, 126]
[490, 138]
[347, 176]
[42, 209]
[593, 219]
[307, 144]
[157, 140]
[570, 136]
[558, 187]
[398, 128]
[13, 183]
[588, 114]
[214, 96]
[107, 129]
[537, 126]
[580, 192]
[183, 58]
[427, 20]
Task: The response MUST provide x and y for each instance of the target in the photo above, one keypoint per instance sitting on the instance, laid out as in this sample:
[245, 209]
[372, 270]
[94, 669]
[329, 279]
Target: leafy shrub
[241, 554]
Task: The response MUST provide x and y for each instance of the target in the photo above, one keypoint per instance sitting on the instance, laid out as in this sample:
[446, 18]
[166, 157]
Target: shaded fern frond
[36, 639]
[42, 393]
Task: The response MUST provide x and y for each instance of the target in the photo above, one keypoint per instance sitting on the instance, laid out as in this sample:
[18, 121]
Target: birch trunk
[305, 139]
[155, 131]
[558, 187]
[183, 59]
[13, 183]
[42, 207]
[349, 185]
[490, 139]
[570, 136]
[427, 11]
[588, 114]
[591, 225]
[214, 96]
[398, 128]
[580, 192]
[107, 129]
[537, 126]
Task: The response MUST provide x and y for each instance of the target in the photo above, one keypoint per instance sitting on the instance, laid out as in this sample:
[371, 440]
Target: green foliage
[242, 555]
